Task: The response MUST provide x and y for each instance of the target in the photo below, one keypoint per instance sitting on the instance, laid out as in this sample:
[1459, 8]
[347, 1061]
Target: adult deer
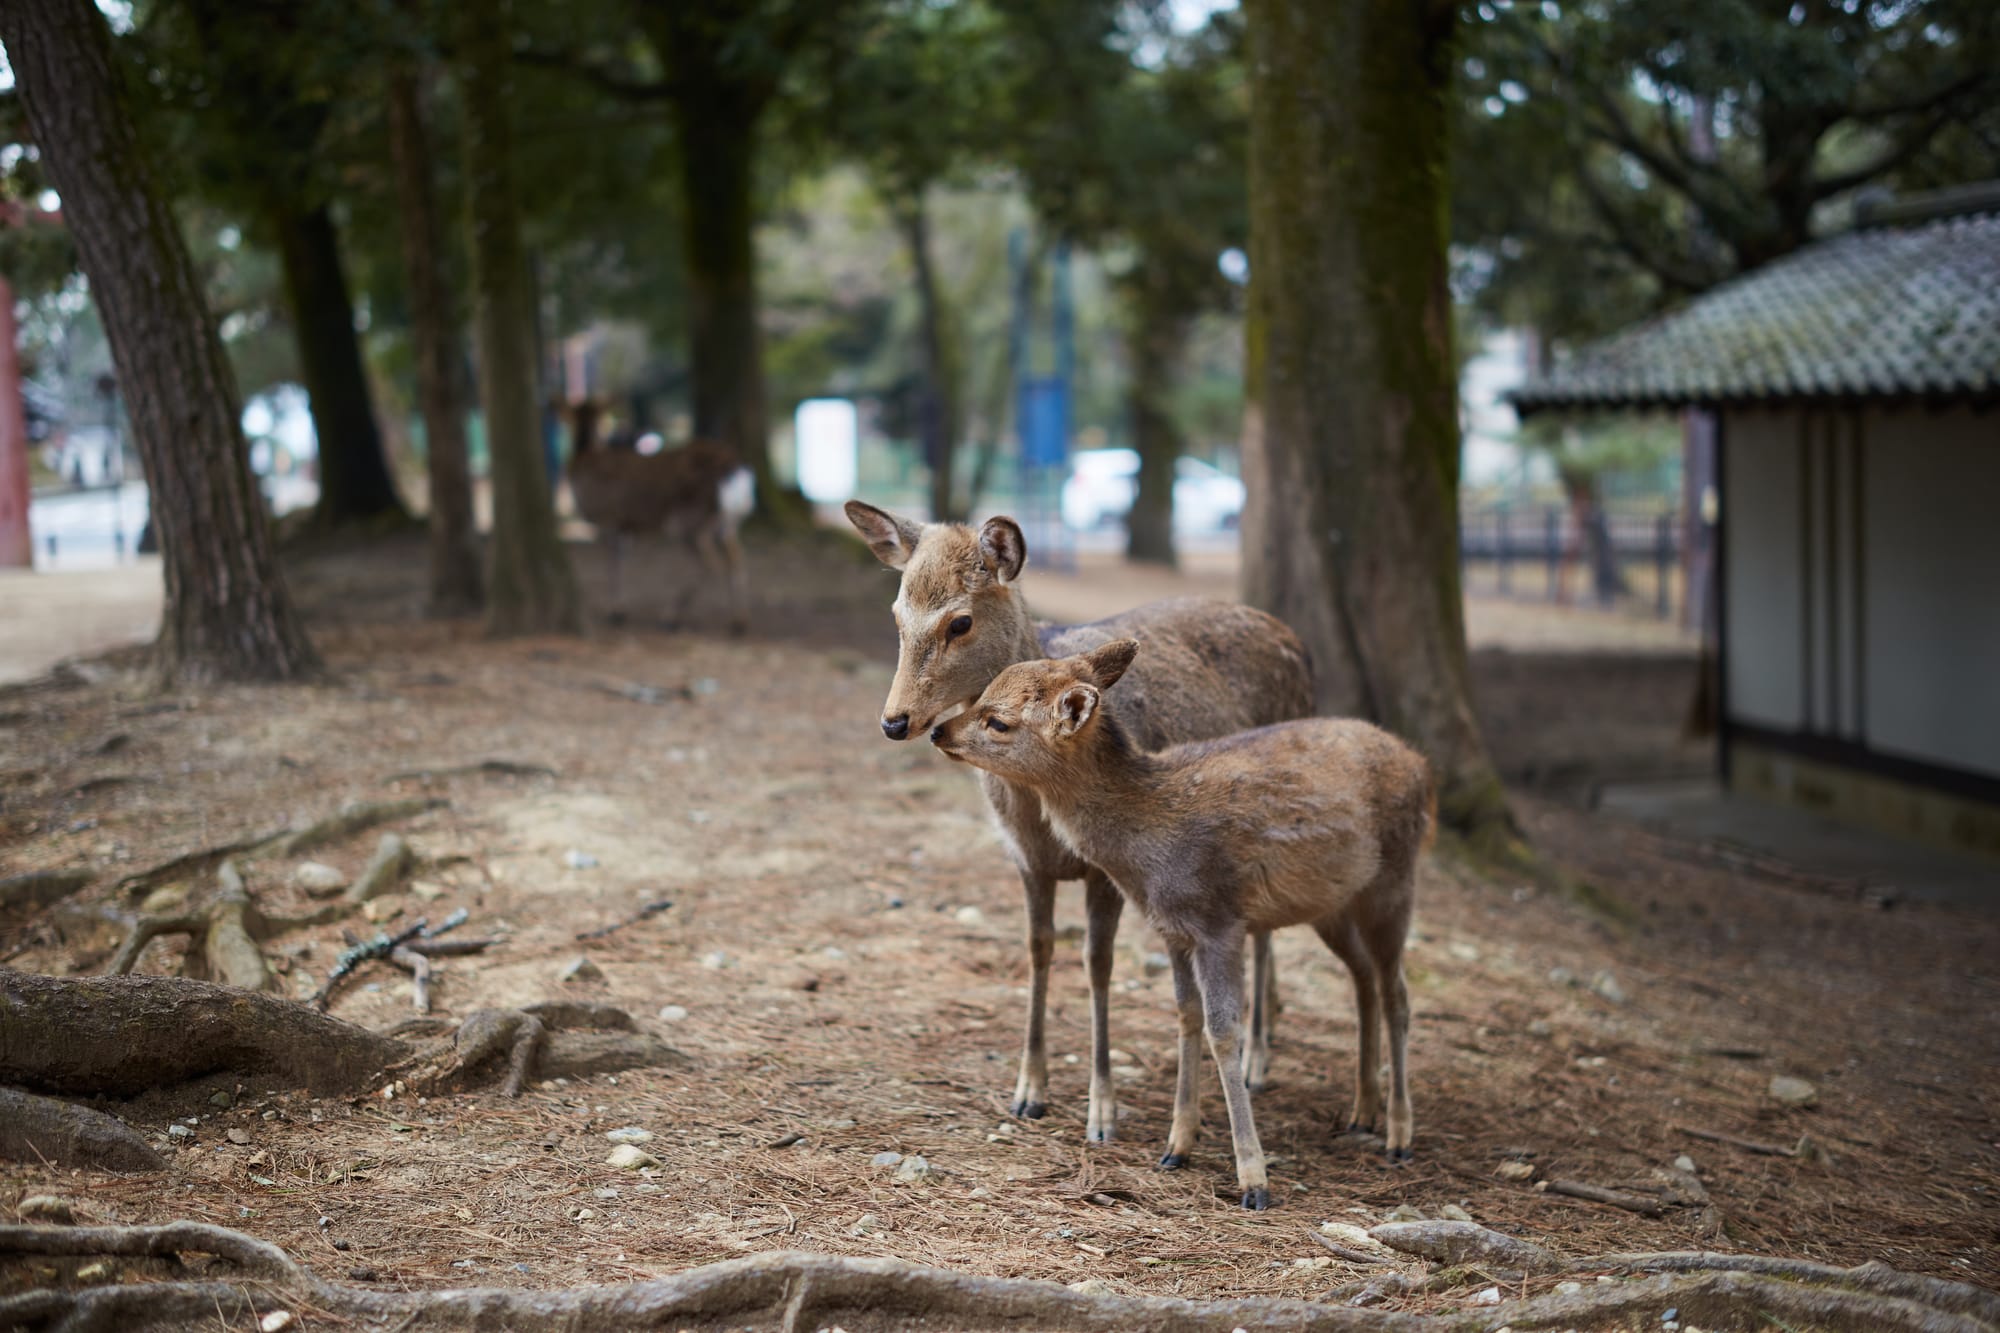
[1211, 668]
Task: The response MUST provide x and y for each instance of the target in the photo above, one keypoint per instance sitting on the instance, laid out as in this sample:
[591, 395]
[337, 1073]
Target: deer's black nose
[896, 728]
[937, 733]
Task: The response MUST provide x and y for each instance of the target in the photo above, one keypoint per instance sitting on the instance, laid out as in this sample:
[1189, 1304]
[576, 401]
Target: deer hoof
[1257, 1200]
[1102, 1134]
[1027, 1110]
[1173, 1161]
[1356, 1127]
[1401, 1157]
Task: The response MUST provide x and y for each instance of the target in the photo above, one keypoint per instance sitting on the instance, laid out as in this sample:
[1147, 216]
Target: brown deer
[700, 491]
[1318, 822]
[1212, 668]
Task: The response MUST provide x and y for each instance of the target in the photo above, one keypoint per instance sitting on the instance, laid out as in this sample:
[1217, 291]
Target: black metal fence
[1539, 551]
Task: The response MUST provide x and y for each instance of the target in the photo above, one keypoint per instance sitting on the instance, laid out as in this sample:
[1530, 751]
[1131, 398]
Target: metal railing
[1539, 551]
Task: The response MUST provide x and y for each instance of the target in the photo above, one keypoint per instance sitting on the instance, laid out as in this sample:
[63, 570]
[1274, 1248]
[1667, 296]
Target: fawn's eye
[959, 626]
[995, 724]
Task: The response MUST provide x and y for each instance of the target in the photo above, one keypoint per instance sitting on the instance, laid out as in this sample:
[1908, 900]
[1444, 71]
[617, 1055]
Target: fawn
[699, 490]
[1212, 668]
[1317, 822]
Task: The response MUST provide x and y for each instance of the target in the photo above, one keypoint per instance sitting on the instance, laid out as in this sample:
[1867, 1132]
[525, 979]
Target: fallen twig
[419, 968]
[1748, 1145]
[1575, 1189]
[1352, 1256]
[651, 909]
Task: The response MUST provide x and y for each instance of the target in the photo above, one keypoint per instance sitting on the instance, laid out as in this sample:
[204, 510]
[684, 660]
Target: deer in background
[1212, 668]
[700, 491]
[1317, 822]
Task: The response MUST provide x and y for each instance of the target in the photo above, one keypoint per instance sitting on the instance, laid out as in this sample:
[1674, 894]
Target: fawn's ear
[1003, 548]
[1074, 708]
[1108, 661]
[893, 540]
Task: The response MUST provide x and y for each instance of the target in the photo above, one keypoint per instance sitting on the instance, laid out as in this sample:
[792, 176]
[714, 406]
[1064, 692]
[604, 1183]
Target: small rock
[1490, 1296]
[1793, 1091]
[1568, 1288]
[92, 1272]
[1119, 1057]
[240, 1137]
[1670, 1316]
[221, 1099]
[316, 877]
[179, 1132]
[579, 860]
[715, 960]
[1561, 976]
[1404, 1212]
[1515, 1170]
[673, 1013]
[48, 1208]
[1451, 1212]
[1684, 1163]
[1464, 952]
[385, 908]
[1127, 1073]
[629, 1134]
[1541, 1027]
[916, 1171]
[886, 1159]
[580, 969]
[868, 1225]
[970, 916]
[606, 1193]
[277, 1321]
[583, 1214]
[630, 1157]
[1157, 963]
[1092, 1286]
[1608, 988]
[427, 890]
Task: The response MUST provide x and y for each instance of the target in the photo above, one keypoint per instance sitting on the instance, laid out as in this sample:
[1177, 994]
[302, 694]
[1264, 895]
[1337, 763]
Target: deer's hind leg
[1187, 1079]
[1385, 944]
[1031, 1089]
[1344, 938]
[1263, 1012]
[1218, 969]
[1103, 905]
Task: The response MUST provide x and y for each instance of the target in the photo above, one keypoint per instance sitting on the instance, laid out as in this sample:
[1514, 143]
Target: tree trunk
[1157, 336]
[354, 481]
[938, 415]
[456, 586]
[530, 587]
[1351, 434]
[718, 199]
[227, 614]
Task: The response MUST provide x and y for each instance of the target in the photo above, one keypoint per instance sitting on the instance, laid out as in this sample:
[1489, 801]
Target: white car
[1102, 482]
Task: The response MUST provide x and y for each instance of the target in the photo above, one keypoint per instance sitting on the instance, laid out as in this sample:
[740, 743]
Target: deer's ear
[1003, 548]
[1108, 661]
[893, 540]
[1075, 707]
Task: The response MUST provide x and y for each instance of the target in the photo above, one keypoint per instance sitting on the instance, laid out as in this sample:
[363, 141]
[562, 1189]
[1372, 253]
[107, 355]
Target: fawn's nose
[896, 728]
[937, 733]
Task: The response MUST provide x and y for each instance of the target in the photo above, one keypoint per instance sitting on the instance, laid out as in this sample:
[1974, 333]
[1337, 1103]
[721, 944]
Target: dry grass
[786, 831]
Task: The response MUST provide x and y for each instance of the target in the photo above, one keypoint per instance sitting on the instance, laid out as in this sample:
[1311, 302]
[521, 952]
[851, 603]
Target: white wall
[1863, 579]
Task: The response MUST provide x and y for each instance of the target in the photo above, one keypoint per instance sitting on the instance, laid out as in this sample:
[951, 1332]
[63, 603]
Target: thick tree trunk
[456, 585]
[354, 481]
[938, 413]
[227, 614]
[1156, 337]
[718, 198]
[530, 587]
[1351, 437]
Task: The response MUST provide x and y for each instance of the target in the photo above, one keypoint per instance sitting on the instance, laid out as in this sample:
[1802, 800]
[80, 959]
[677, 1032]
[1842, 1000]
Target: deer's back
[633, 492]
[1205, 668]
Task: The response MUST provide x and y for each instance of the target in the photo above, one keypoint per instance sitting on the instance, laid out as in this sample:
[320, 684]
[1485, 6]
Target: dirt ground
[843, 967]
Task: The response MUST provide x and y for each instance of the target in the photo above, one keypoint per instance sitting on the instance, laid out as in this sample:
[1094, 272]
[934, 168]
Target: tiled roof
[1885, 313]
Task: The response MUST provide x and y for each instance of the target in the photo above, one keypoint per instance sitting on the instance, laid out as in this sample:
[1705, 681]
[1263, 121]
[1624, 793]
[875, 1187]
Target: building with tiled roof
[1855, 388]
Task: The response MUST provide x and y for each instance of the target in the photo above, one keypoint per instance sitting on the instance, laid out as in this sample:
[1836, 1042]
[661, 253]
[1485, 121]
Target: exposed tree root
[792, 1291]
[352, 819]
[384, 871]
[496, 767]
[36, 1129]
[34, 891]
[124, 1035]
[229, 928]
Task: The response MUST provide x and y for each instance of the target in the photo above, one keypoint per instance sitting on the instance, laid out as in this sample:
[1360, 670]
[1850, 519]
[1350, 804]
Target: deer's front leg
[1031, 1089]
[1218, 966]
[1102, 905]
[1187, 1079]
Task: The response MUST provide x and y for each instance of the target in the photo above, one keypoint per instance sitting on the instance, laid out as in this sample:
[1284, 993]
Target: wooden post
[17, 547]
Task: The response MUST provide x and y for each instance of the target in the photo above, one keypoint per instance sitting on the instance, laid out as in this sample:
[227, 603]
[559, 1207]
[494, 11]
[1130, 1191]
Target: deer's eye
[995, 724]
[959, 626]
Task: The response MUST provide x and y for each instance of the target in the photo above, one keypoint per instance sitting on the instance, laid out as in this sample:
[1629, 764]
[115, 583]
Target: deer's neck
[1027, 643]
[1109, 805]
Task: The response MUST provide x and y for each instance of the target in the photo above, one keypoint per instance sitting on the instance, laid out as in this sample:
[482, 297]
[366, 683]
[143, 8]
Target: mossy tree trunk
[456, 585]
[227, 614]
[354, 481]
[1351, 435]
[1156, 337]
[530, 588]
[939, 416]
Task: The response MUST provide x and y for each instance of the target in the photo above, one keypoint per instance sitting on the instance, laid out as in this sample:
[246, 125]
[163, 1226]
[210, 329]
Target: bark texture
[939, 416]
[42, 1129]
[227, 614]
[530, 589]
[456, 583]
[1157, 337]
[354, 481]
[1351, 434]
